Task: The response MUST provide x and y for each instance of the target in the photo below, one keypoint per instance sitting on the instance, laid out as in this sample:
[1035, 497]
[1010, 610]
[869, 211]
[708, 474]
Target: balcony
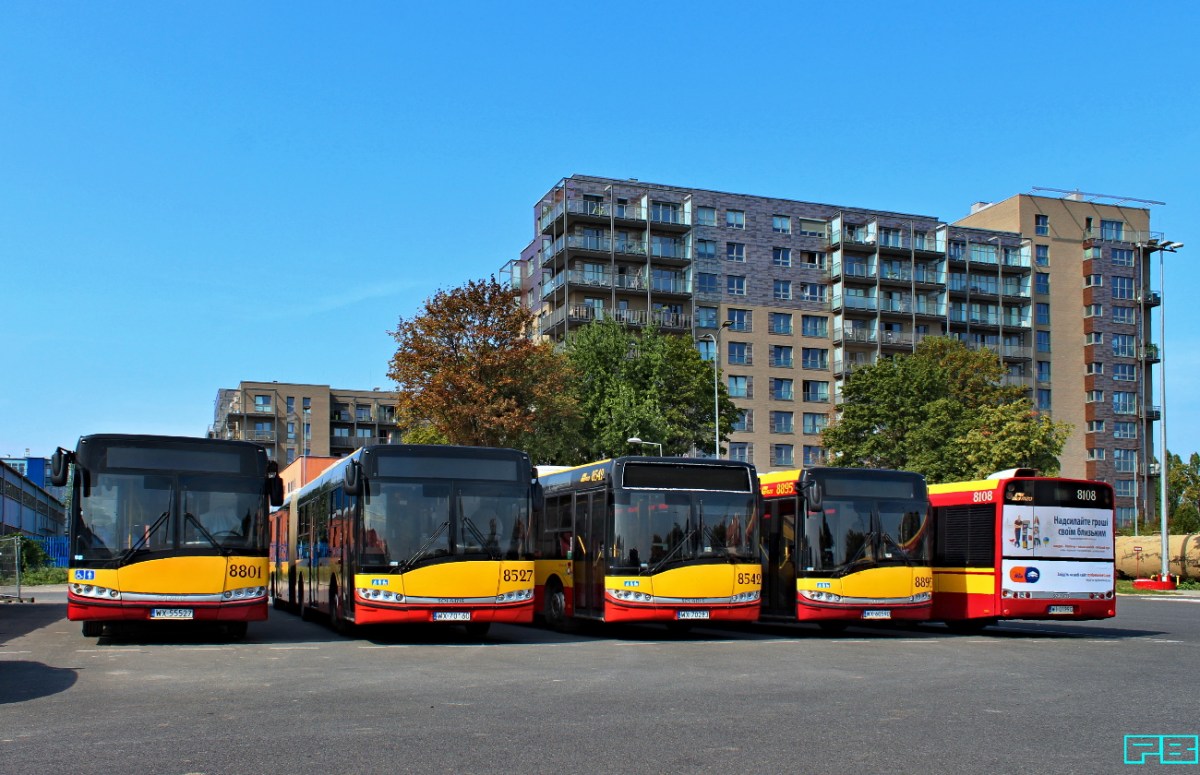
[1118, 233]
[354, 442]
[854, 335]
[1149, 353]
[1152, 413]
[588, 210]
[864, 303]
[1150, 298]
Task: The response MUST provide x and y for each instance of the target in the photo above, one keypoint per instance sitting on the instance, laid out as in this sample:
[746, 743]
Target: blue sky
[193, 194]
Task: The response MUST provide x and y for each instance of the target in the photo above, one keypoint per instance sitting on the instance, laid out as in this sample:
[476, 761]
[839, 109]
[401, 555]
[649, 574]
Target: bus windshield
[406, 523]
[130, 513]
[656, 528]
[852, 534]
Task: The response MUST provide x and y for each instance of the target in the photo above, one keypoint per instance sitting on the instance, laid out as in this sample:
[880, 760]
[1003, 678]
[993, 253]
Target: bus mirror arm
[274, 484]
[352, 479]
[813, 497]
[60, 465]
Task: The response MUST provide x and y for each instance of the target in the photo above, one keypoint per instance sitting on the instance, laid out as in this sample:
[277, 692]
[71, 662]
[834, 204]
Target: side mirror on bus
[352, 479]
[813, 496]
[276, 485]
[60, 466]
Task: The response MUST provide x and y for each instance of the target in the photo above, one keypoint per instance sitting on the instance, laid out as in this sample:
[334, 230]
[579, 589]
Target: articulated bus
[406, 533]
[845, 545]
[1020, 546]
[166, 529]
[649, 539]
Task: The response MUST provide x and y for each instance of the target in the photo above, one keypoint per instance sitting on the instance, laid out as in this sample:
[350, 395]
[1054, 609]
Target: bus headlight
[745, 597]
[821, 597]
[515, 596]
[244, 593]
[93, 591]
[922, 597]
[381, 595]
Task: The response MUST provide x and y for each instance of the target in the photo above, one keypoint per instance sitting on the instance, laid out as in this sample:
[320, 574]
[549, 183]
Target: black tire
[555, 605]
[337, 618]
[305, 614]
[93, 629]
[237, 630]
[478, 629]
[833, 626]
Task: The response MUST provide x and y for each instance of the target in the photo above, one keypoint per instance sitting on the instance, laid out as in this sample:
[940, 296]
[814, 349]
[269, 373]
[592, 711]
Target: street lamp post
[636, 440]
[1161, 247]
[716, 340]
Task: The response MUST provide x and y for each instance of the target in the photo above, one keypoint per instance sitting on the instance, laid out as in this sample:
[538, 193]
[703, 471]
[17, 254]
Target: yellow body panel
[693, 581]
[897, 582]
[455, 579]
[544, 569]
[976, 485]
[962, 580]
[184, 575]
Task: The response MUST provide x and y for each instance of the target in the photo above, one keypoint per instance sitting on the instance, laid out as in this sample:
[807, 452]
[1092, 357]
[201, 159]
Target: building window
[1113, 231]
[781, 256]
[1124, 372]
[291, 455]
[739, 451]
[816, 391]
[1094, 368]
[1093, 310]
[1125, 460]
[307, 431]
[814, 423]
[813, 260]
[781, 224]
[744, 422]
[1042, 313]
[1094, 396]
[814, 325]
[1093, 338]
[1095, 453]
[735, 219]
[291, 431]
[706, 317]
[707, 349]
[1041, 282]
[1125, 515]
[782, 290]
[781, 322]
[1124, 402]
[1125, 430]
[782, 390]
[306, 405]
[1043, 399]
[1123, 346]
[782, 422]
[814, 358]
[1042, 255]
[706, 283]
[813, 456]
[735, 285]
[1043, 371]
[1122, 257]
[739, 354]
[1043, 341]
[1122, 288]
[740, 319]
[1095, 426]
[1124, 315]
[340, 433]
[706, 216]
[812, 292]
[735, 251]
[1041, 225]
[706, 248]
[782, 455]
[739, 387]
[1093, 281]
[1125, 488]
[291, 404]
[262, 403]
[781, 356]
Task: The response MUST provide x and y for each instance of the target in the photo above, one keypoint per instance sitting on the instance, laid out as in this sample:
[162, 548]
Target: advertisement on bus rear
[1047, 577]
[1057, 532]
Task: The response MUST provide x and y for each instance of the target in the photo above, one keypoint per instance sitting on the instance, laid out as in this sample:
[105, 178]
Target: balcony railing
[586, 207]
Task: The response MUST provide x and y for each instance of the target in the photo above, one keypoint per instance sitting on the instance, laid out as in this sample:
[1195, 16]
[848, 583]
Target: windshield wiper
[889, 541]
[667, 557]
[139, 546]
[491, 547]
[417, 555]
[190, 517]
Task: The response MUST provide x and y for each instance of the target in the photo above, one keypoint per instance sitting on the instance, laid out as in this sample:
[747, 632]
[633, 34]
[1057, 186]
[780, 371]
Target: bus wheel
[305, 615]
[93, 629]
[833, 626]
[969, 626]
[236, 630]
[556, 605]
[478, 629]
[337, 617]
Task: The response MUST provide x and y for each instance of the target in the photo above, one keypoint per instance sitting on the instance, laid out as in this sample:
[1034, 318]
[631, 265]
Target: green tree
[653, 385]
[1183, 494]
[467, 372]
[942, 411]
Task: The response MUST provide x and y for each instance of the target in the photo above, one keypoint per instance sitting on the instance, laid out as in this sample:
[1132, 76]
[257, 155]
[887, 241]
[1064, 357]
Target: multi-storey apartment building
[294, 421]
[789, 297]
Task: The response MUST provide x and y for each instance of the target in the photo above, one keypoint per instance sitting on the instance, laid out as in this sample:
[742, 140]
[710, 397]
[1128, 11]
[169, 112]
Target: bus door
[779, 582]
[587, 556]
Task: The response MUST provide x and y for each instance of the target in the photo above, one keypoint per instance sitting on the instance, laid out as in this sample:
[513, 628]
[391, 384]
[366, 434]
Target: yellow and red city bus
[167, 528]
[1020, 546]
[846, 545]
[649, 539]
[408, 533]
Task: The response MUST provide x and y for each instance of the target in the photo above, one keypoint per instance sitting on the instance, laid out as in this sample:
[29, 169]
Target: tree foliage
[1183, 494]
[467, 373]
[942, 411]
[651, 385]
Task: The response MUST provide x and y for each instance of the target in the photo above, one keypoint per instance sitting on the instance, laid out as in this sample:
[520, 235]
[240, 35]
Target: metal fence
[10, 567]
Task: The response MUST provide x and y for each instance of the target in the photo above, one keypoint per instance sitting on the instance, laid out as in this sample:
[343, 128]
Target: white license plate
[452, 616]
[691, 614]
[170, 613]
[1062, 609]
[877, 615]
